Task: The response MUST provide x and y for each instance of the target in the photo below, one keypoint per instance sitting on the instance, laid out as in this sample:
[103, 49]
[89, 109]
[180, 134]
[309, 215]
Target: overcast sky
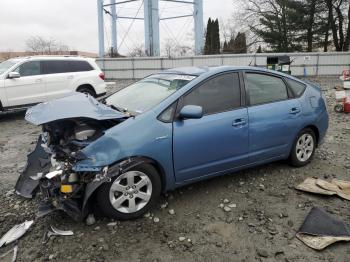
[74, 22]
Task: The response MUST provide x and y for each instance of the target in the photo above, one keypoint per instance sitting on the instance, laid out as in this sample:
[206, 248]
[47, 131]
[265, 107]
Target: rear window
[65, 66]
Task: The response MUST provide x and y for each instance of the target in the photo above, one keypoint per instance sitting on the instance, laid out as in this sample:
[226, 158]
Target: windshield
[6, 65]
[147, 93]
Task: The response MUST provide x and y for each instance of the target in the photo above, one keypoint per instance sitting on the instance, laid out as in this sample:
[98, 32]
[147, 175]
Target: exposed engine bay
[49, 168]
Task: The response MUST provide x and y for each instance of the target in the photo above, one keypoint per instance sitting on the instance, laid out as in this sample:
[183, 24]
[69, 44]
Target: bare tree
[39, 44]
[137, 51]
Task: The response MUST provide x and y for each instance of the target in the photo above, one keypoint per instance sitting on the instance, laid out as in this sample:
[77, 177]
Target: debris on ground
[320, 229]
[55, 232]
[10, 256]
[320, 186]
[90, 220]
[15, 233]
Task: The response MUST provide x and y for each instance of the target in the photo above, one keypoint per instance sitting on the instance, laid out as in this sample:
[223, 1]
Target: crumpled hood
[77, 105]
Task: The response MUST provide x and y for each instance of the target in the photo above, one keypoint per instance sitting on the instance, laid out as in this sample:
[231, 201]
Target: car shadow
[15, 115]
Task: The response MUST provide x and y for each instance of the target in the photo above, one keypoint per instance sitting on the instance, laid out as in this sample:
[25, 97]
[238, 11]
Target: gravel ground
[189, 224]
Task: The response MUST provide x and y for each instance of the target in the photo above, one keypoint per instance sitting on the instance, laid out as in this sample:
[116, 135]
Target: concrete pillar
[198, 26]
[114, 45]
[101, 40]
[151, 20]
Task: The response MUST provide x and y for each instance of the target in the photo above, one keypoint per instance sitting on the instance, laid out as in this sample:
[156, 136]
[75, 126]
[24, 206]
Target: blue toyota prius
[172, 128]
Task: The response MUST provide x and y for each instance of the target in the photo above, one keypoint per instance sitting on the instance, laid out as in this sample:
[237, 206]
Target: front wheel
[303, 148]
[131, 194]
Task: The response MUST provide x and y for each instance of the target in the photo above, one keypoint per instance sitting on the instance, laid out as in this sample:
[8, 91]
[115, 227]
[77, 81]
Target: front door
[29, 88]
[217, 142]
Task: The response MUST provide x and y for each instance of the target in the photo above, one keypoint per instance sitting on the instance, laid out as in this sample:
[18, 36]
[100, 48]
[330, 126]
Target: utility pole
[151, 23]
[101, 40]
[114, 47]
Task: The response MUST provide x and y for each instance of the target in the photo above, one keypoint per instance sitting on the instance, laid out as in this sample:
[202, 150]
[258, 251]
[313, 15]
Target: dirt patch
[260, 225]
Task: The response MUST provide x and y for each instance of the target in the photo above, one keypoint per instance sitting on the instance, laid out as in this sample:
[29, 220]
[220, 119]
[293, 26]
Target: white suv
[31, 80]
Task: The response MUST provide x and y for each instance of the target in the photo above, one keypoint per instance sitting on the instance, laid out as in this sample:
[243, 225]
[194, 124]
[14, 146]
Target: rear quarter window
[296, 87]
[79, 66]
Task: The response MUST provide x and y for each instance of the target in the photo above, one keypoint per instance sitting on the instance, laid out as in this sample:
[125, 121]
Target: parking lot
[189, 224]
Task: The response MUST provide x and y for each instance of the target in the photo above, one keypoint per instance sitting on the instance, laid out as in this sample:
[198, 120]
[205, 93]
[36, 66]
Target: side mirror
[13, 75]
[191, 112]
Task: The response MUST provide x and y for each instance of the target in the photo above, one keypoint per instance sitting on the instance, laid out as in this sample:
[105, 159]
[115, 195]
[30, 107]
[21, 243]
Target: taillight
[102, 76]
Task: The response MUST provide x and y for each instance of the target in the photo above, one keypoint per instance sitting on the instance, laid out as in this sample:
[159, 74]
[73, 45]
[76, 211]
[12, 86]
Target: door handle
[294, 111]
[239, 122]
[39, 80]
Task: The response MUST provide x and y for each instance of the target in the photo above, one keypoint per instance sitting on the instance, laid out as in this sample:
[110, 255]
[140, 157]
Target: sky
[74, 23]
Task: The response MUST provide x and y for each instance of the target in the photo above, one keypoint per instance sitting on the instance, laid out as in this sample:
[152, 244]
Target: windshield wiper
[122, 110]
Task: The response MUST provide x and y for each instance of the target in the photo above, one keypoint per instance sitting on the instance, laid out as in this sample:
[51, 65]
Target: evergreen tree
[208, 38]
[212, 38]
[240, 44]
[259, 51]
[216, 38]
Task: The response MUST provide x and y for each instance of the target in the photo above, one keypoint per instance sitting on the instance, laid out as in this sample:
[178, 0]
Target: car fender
[113, 171]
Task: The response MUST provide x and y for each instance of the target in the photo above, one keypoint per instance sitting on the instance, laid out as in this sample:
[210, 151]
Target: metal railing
[304, 64]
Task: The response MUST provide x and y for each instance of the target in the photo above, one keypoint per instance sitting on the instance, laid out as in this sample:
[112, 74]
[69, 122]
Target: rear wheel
[87, 90]
[130, 194]
[304, 148]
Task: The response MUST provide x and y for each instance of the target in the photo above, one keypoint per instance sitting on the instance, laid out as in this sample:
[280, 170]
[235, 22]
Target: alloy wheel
[130, 192]
[305, 147]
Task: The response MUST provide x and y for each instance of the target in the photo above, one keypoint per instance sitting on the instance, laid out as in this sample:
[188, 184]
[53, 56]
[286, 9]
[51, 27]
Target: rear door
[58, 76]
[219, 140]
[29, 88]
[273, 116]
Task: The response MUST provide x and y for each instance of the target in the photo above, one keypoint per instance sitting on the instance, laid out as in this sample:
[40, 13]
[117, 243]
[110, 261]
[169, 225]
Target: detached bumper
[39, 161]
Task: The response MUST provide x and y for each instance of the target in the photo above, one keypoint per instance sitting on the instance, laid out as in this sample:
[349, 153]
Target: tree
[300, 25]
[212, 38]
[259, 51]
[39, 44]
[339, 21]
[240, 44]
[138, 51]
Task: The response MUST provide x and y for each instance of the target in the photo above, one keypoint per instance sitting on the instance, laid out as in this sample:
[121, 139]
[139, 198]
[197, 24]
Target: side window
[265, 88]
[54, 67]
[79, 66]
[297, 88]
[29, 69]
[218, 94]
[168, 114]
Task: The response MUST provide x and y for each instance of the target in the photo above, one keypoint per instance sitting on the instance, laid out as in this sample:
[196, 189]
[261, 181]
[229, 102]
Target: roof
[216, 69]
[52, 57]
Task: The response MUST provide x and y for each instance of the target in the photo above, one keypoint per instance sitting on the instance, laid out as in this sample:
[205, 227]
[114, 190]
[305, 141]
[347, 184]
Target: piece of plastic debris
[55, 232]
[156, 220]
[10, 255]
[53, 174]
[15, 233]
[321, 229]
[90, 220]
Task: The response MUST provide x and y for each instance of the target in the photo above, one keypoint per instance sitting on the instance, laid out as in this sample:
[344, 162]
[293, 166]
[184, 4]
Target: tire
[87, 90]
[303, 148]
[339, 108]
[130, 200]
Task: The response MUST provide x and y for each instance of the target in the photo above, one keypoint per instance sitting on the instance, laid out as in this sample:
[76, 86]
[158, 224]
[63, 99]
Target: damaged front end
[49, 171]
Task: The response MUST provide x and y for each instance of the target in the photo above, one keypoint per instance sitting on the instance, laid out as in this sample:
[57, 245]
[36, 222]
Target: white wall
[314, 64]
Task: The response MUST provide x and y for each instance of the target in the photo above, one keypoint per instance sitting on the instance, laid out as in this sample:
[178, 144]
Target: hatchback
[168, 130]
